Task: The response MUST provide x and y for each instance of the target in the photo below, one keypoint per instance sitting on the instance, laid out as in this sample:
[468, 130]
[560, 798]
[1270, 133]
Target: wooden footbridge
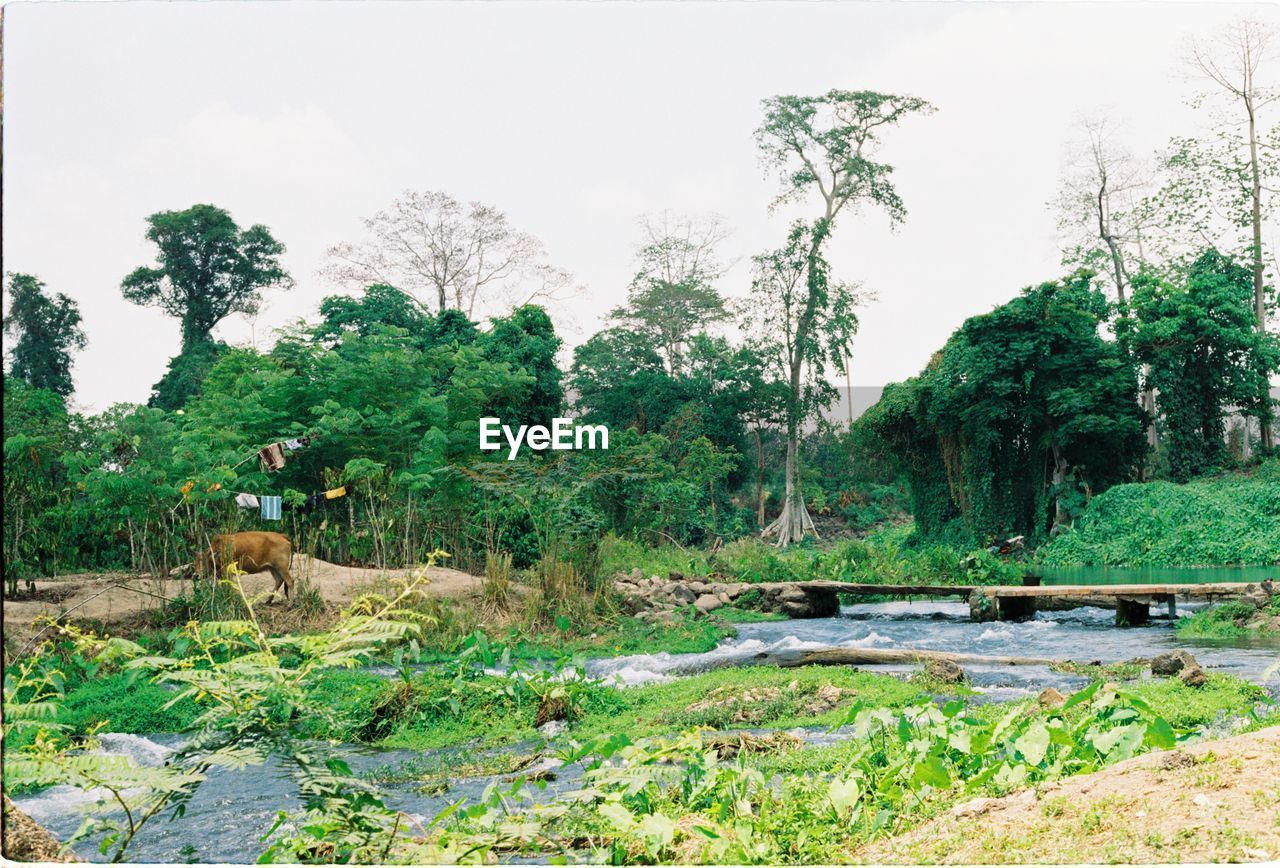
[1132, 603]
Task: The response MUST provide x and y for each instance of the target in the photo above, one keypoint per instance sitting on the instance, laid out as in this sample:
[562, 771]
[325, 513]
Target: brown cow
[252, 551]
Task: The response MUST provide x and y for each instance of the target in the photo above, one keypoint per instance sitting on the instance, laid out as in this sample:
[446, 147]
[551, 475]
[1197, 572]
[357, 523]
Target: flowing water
[233, 810]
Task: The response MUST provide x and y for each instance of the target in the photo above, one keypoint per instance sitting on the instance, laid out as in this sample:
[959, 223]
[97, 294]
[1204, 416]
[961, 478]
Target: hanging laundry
[271, 507]
[272, 457]
[335, 493]
[246, 501]
[292, 445]
[312, 501]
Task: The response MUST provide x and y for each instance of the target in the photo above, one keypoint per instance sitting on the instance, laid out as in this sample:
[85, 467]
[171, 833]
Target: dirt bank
[118, 598]
[1215, 802]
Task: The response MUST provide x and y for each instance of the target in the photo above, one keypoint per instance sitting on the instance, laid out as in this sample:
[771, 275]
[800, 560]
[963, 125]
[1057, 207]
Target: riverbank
[1217, 801]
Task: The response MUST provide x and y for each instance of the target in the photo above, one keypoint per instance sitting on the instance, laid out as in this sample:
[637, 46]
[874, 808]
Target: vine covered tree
[826, 145]
[208, 268]
[1024, 413]
[47, 331]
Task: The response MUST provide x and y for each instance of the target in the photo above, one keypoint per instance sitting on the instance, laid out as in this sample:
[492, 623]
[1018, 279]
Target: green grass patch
[1224, 696]
[1227, 621]
[125, 703]
[493, 711]
[884, 559]
[627, 635]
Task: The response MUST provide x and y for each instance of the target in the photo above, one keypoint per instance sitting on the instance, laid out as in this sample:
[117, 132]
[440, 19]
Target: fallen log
[872, 656]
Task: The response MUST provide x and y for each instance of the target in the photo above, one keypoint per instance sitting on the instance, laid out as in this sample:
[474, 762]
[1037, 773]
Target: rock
[981, 607]
[723, 597]
[683, 595]
[675, 576]
[827, 697]
[708, 603]
[792, 595]
[696, 586]
[944, 671]
[973, 808]
[1051, 698]
[637, 575]
[25, 840]
[625, 588]
[1172, 663]
[1193, 676]
[552, 728]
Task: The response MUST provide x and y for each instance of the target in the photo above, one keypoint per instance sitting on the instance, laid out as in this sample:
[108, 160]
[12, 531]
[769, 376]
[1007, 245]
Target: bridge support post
[1173, 607]
[982, 607]
[1132, 613]
[1016, 608]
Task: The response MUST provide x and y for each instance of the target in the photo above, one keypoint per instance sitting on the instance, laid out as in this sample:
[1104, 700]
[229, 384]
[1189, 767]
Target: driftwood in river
[872, 656]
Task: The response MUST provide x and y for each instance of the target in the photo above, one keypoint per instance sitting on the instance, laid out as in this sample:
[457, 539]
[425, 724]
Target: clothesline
[272, 458]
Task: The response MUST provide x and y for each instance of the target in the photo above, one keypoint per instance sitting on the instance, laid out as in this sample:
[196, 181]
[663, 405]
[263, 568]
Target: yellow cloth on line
[334, 493]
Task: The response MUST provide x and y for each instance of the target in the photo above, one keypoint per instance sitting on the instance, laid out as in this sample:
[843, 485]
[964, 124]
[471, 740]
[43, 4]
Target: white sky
[574, 119]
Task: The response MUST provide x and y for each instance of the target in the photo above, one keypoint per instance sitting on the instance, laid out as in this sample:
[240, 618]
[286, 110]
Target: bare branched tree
[1098, 204]
[442, 252]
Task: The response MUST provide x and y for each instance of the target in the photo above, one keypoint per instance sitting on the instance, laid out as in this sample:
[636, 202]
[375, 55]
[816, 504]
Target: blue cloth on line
[270, 507]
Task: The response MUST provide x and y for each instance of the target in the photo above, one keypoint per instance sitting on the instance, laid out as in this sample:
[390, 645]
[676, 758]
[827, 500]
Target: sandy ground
[116, 597]
[1215, 802]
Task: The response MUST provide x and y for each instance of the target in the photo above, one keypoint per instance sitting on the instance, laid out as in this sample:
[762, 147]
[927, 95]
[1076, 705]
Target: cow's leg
[282, 579]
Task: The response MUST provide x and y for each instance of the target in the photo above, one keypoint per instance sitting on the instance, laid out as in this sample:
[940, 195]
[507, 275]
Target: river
[234, 809]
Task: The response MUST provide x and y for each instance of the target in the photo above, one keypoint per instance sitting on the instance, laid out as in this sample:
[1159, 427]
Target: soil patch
[121, 600]
[1218, 801]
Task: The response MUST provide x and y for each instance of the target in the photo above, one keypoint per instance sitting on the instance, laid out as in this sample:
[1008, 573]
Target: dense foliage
[1024, 413]
[1228, 519]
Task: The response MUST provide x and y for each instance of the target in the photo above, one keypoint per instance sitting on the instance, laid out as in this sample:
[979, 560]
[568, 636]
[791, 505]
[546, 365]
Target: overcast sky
[574, 119]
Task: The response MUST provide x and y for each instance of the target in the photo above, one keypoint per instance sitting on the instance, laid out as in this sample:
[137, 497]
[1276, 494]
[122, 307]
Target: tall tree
[452, 255]
[1203, 356]
[47, 331]
[1221, 188]
[824, 144]
[1231, 63]
[673, 296]
[208, 268]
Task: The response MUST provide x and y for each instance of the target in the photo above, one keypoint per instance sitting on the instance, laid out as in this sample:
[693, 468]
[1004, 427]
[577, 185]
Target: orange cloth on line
[334, 493]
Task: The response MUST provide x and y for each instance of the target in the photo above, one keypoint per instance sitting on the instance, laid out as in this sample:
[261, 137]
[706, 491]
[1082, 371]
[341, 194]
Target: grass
[884, 558]
[1227, 621]
[1223, 697]
[487, 715]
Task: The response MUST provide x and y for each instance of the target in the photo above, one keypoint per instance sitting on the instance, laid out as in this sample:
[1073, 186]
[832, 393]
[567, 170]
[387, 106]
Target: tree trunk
[759, 478]
[1259, 297]
[793, 523]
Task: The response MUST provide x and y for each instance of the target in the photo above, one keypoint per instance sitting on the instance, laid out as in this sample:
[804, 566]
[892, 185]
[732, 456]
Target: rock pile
[658, 598]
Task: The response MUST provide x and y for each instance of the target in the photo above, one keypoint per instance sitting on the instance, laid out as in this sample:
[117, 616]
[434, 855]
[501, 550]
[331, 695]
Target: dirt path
[1216, 802]
[119, 597]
